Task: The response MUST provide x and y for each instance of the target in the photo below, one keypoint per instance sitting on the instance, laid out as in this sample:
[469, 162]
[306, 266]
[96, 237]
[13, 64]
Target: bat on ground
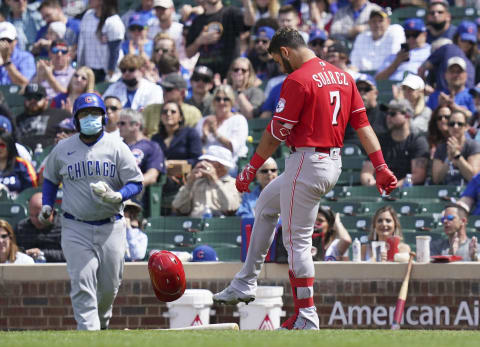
[221, 326]
[402, 295]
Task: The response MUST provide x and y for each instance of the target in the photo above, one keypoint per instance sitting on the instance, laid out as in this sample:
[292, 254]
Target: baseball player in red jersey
[316, 103]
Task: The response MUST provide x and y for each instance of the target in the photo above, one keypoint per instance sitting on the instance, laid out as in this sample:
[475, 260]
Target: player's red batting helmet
[167, 276]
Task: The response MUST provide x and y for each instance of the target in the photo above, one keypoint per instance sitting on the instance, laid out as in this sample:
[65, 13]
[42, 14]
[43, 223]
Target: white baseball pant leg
[95, 258]
[308, 176]
[267, 210]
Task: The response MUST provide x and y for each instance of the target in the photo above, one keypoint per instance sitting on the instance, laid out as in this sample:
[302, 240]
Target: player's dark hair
[435, 136]
[12, 153]
[330, 217]
[286, 37]
[109, 8]
[168, 63]
[162, 131]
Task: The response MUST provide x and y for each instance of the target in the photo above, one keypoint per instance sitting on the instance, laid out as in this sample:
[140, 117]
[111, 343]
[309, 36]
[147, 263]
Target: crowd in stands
[183, 83]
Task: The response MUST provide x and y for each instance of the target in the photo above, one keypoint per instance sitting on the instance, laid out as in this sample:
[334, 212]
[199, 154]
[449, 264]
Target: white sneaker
[297, 322]
[230, 296]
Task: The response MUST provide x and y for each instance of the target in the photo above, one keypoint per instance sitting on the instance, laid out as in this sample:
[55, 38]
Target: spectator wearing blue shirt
[267, 173]
[16, 66]
[51, 11]
[456, 96]
[439, 21]
[26, 19]
[149, 156]
[410, 57]
[471, 196]
[137, 42]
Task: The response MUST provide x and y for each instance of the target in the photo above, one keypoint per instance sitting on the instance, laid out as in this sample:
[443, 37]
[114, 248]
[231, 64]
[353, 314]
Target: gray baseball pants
[95, 257]
[295, 194]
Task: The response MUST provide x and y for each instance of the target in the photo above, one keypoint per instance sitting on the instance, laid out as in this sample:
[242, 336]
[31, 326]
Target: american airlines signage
[414, 315]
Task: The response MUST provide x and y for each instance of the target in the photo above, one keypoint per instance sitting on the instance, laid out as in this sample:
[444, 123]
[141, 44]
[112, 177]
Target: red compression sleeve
[377, 158]
[257, 161]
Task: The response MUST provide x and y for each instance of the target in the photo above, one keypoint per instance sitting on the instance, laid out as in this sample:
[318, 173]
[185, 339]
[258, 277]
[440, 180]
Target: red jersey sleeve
[358, 113]
[291, 100]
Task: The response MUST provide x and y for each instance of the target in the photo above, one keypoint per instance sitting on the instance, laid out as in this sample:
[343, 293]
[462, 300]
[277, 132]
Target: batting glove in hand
[245, 177]
[45, 214]
[386, 180]
[107, 194]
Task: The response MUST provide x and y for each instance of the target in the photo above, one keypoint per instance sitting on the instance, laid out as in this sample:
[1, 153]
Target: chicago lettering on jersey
[91, 168]
[324, 78]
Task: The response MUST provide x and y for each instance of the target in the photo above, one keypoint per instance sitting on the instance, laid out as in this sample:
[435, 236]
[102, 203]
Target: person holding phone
[411, 55]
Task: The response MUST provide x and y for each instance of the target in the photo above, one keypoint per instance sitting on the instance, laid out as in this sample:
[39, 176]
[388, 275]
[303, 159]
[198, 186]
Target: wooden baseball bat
[220, 326]
[402, 295]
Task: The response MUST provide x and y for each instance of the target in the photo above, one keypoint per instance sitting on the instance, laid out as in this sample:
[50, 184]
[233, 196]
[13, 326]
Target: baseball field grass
[336, 338]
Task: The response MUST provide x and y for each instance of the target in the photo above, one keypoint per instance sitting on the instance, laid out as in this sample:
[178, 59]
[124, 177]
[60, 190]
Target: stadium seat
[434, 192]
[349, 178]
[12, 212]
[474, 223]
[226, 252]
[463, 13]
[403, 208]
[230, 224]
[353, 162]
[356, 223]
[102, 87]
[422, 223]
[361, 193]
[175, 223]
[155, 192]
[385, 93]
[351, 149]
[349, 208]
[399, 15]
[13, 99]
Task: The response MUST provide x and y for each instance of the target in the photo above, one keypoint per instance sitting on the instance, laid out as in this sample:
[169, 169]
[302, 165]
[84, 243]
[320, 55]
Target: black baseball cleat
[230, 296]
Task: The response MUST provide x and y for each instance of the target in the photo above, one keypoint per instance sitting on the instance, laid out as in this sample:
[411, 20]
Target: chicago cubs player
[98, 172]
[317, 101]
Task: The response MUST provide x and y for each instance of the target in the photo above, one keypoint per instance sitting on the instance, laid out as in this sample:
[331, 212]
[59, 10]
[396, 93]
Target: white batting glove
[45, 214]
[107, 194]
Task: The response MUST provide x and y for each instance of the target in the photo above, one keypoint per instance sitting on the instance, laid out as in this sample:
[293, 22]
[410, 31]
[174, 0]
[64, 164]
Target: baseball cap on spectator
[34, 89]
[365, 78]
[204, 253]
[338, 47]
[173, 80]
[133, 204]
[457, 61]
[467, 31]
[137, 20]
[219, 154]
[413, 81]
[59, 28]
[7, 31]
[163, 3]
[59, 44]
[202, 72]
[66, 124]
[265, 32]
[414, 24]
[318, 34]
[401, 105]
[380, 12]
[5, 123]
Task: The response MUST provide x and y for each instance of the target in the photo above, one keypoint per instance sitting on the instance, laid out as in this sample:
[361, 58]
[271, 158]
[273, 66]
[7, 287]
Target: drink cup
[423, 249]
[377, 248]
[392, 247]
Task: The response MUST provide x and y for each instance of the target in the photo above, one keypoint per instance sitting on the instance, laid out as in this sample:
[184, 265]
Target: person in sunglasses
[133, 90]
[248, 97]
[263, 63]
[113, 106]
[267, 172]
[457, 160]
[9, 251]
[16, 65]
[202, 84]
[137, 42]
[37, 123]
[404, 151]
[55, 73]
[411, 55]
[439, 21]
[455, 220]
[82, 81]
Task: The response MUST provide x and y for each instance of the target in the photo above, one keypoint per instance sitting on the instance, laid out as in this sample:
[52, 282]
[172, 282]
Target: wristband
[256, 161]
[377, 158]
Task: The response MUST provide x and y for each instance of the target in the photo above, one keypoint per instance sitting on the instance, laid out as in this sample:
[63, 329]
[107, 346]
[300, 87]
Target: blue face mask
[91, 124]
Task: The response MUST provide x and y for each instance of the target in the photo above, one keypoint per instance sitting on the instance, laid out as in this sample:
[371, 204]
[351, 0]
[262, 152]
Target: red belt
[317, 149]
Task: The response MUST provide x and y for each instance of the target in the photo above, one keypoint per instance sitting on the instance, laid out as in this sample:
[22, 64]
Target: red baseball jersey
[319, 99]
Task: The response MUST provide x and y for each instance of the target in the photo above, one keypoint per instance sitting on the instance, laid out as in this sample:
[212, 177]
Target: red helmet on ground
[167, 276]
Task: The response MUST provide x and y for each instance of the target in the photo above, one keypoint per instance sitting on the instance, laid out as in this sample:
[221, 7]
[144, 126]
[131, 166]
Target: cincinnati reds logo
[280, 105]
[88, 99]
[284, 131]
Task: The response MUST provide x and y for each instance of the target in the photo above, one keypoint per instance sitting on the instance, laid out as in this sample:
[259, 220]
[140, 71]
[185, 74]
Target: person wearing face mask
[439, 21]
[98, 173]
[132, 89]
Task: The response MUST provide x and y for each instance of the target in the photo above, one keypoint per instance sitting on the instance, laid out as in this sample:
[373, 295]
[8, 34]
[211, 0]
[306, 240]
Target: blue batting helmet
[88, 100]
